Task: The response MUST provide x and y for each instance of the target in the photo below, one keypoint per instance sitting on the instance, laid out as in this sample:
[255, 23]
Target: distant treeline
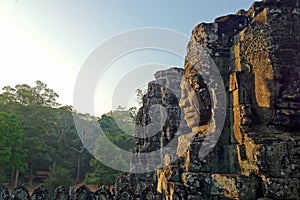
[39, 141]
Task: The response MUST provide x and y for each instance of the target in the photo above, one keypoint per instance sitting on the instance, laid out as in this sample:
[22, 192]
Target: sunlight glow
[24, 60]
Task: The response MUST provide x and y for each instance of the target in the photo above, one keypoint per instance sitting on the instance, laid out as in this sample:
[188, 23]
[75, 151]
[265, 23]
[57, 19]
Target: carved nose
[184, 102]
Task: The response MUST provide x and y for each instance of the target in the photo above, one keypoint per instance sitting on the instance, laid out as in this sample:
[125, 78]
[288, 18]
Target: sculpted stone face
[195, 99]
[273, 81]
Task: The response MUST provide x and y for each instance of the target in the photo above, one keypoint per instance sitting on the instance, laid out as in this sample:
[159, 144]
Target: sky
[50, 40]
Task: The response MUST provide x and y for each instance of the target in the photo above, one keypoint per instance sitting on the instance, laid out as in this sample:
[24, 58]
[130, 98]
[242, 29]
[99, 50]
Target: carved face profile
[275, 83]
[195, 99]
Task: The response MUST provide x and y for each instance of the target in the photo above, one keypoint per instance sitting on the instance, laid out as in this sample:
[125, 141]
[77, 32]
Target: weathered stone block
[249, 187]
[197, 183]
[279, 188]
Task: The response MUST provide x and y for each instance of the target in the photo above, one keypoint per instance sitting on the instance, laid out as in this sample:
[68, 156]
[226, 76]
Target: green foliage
[36, 133]
[12, 154]
[101, 174]
[119, 127]
[111, 154]
[33, 106]
[115, 133]
[23, 94]
[58, 176]
[50, 135]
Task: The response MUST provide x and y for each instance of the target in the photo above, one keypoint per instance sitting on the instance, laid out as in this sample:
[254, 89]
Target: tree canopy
[39, 135]
[12, 140]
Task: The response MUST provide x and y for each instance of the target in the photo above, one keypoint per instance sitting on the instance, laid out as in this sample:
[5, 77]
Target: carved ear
[232, 82]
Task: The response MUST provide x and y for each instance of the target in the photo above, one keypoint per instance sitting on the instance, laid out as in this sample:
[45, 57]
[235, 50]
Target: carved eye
[194, 82]
[195, 85]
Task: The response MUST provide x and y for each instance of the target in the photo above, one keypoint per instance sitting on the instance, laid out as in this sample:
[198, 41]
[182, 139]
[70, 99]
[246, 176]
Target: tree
[119, 126]
[87, 129]
[50, 135]
[101, 174]
[58, 176]
[23, 94]
[34, 106]
[40, 140]
[12, 154]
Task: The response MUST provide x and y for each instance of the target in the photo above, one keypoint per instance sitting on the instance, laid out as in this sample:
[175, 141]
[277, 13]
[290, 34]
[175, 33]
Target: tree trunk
[78, 169]
[16, 179]
[30, 177]
[12, 174]
[2, 175]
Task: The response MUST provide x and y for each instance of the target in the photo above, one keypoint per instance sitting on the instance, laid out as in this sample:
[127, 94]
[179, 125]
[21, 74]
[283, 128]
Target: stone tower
[257, 154]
